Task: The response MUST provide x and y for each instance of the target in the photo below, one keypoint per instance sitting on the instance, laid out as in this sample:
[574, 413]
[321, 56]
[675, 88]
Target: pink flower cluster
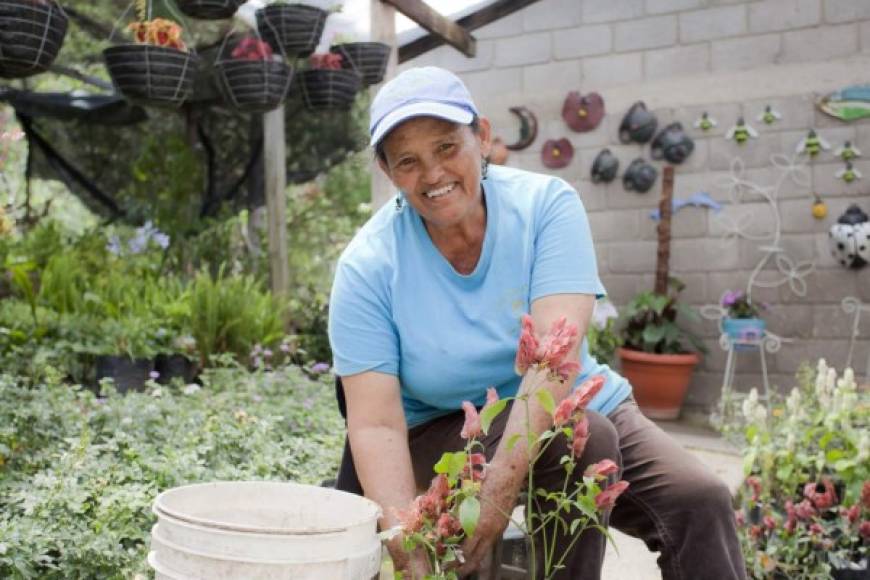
[251, 48]
[551, 352]
[328, 61]
[433, 508]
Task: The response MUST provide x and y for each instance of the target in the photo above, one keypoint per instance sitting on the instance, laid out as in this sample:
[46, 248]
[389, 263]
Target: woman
[425, 313]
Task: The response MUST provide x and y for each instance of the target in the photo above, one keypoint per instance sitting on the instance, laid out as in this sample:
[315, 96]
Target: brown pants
[674, 504]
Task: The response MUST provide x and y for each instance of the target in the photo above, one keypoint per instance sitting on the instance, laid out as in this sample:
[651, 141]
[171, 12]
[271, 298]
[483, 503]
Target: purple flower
[267, 353]
[285, 348]
[114, 245]
[731, 297]
[154, 375]
[320, 368]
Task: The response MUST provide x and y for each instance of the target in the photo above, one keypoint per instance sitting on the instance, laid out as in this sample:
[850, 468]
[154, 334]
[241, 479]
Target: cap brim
[427, 109]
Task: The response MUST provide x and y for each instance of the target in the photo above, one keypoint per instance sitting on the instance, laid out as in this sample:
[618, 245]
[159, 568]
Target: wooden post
[383, 29]
[663, 255]
[274, 152]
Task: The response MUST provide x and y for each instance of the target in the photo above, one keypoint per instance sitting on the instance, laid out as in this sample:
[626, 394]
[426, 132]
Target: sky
[354, 17]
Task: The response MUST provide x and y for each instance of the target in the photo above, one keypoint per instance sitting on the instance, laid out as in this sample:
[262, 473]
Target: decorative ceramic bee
[847, 151]
[848, 173]
[850, 238]
[769, 116]
[741, 132]
[705, 122]
[812, 144]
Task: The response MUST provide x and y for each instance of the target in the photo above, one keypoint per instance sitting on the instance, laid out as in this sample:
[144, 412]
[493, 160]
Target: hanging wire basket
[209, 9]
[152, 75]
[324, 89]
[291, 28]
[31, 34]
[253, 85]
[368, 59]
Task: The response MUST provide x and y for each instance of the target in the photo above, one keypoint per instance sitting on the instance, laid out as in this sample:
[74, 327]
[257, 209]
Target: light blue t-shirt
[399, 307]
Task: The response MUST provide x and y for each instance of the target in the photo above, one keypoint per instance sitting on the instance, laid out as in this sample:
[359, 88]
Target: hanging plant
[291, 28]
[368, 59]
[326, 85]
[253, 79]
[157, 68]
[31, 34]
[209, 9]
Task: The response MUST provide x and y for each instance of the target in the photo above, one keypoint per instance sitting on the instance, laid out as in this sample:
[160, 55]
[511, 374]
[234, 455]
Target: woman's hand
[414, 566]
[497, 500]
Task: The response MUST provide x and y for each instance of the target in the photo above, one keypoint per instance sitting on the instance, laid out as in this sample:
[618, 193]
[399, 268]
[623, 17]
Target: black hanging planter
[254, 86]
[209, 9]
[31, 34]
[329, 88]
[291, 28]
[127, 373]
[152, 75]
[369, 59]
[171, 366]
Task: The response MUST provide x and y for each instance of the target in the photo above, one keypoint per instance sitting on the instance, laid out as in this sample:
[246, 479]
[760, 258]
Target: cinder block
[864, 33]
[664, 6]
[551, 14]
[563, 75]
[621, 288]
[725, 115]
[594, 196]
[704, 255]
[582, 41]
[797, 113]
[746, 53]
[511, 25]
[643, 33]
[754, 152]
[494, 81]
[776, 15]
[863, 284]
[525, 49]
[819, 44]
[793, 184]
[598, 138]
[677, 61]
[457, 62]
[793, 354]
[751, 217]
[837, 11]
[823, 286]
[712, 23]
[614, 225]
[797, 217]
[829, 185]
[688, 184]
[688, 222]
[593, 12]
[699, 159]
[613, 69]
[632, 257]
[833, 322]
[792, 321]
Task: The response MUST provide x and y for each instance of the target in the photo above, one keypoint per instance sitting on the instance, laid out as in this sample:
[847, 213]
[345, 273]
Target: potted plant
[742, 322]
[157, 68]
[209, 9]
[31, 34]
[368, 59]
[804, 508]
[177, 361]
[657, 356]
[291, 28]
[325, 85]
[254, 79]
[125, 350]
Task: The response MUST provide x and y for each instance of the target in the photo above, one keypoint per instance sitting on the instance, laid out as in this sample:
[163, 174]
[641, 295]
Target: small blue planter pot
[744, 330]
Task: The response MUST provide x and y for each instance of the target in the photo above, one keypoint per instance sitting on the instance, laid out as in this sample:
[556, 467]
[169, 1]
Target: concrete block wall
[730, 58]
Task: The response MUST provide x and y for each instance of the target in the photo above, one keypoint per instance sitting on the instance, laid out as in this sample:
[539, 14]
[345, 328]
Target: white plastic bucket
[264, 530]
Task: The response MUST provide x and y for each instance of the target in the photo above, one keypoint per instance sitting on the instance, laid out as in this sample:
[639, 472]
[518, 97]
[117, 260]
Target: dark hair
[474, 125]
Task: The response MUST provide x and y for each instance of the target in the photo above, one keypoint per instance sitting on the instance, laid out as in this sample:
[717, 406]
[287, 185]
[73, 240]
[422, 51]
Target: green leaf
[469, 513]
[488, 414]
[512, 441]
[545, 398]
[451, 464]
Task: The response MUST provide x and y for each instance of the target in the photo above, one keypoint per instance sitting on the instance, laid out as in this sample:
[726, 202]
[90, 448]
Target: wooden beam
[437, 24]
[276, 200]
[383, 29]
[486, 15]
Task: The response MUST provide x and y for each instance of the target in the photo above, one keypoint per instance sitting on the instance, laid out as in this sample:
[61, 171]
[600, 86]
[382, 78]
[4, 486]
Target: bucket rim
[158, 509]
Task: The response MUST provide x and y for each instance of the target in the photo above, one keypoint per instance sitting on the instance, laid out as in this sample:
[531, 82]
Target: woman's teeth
[440, 191]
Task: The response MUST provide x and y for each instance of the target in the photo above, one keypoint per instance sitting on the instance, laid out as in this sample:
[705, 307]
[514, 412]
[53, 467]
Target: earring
[484, 167]
[399, 203]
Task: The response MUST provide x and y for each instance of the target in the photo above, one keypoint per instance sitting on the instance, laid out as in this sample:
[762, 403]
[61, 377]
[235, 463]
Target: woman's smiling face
[437, 164]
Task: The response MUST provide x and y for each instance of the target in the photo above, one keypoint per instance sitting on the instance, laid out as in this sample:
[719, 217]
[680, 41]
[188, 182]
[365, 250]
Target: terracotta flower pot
[659, 380]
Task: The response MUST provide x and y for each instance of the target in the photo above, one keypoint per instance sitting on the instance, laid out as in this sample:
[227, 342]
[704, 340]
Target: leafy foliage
[78, 474]
[650, 322]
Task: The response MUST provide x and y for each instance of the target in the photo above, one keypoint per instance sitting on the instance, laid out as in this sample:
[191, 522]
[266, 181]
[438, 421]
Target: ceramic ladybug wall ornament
[849, 238]
[673, 144]
[604, 167]
[638, 125]
[583, 112]
[557, 153]
[640, 176]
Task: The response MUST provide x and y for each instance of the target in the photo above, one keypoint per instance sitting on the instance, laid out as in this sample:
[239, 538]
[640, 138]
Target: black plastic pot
[171, 366]
[31, 34]
[254, 86]
[368, 59]
[152, 75]
[862, 573]
[291, 28]
[209, 9]
[324, 89]
[128, 374]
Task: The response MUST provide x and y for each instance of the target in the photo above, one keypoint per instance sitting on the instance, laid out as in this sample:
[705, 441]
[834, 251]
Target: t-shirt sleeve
[564, 260]
[361, 331]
